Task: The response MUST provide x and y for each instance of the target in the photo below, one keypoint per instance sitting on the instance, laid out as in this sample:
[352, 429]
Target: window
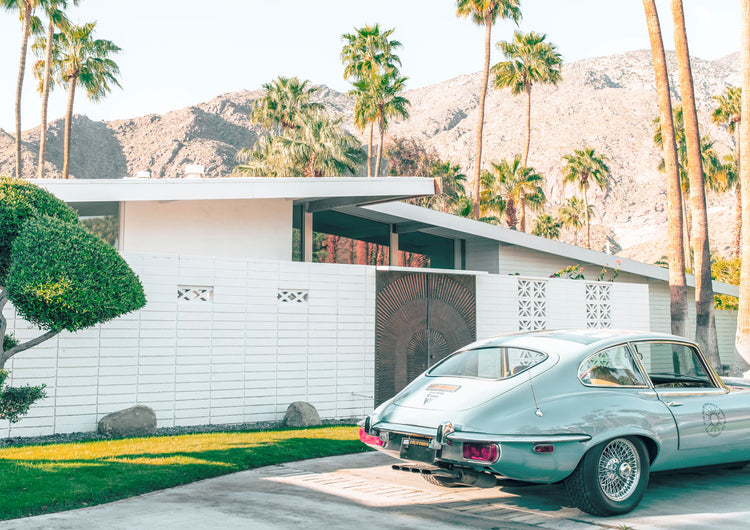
[611, 367]
[488, 363]
[673, 365]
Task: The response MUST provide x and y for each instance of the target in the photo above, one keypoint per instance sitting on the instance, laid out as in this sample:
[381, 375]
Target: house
[235, 329]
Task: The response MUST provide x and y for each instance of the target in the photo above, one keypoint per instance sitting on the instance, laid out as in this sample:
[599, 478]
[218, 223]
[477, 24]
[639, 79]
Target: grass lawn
[51, 478]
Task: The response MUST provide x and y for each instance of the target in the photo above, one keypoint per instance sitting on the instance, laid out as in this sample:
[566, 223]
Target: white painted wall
[243, 357]
[222, 228]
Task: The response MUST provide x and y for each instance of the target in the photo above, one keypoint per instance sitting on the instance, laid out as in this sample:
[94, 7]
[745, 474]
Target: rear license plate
[413, 448]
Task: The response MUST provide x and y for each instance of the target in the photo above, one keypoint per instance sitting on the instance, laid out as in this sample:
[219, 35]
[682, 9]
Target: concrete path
[362, 491]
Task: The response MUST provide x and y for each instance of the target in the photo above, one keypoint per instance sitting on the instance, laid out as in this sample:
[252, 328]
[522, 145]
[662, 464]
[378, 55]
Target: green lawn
[51, 478]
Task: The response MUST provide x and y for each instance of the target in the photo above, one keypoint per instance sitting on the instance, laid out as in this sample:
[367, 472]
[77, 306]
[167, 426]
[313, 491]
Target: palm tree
[79, 59]
[546, 226]
[510, 187]
[585, 167]
[283, 100]
[728, 112]
[573, 214]
[705, 324]
[43, 69]
[529, 61]
[25, 10]
[485, 13]
[677, 282]
[315, 147]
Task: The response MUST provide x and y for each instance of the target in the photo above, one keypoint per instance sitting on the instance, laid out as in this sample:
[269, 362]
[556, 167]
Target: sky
[177, 53]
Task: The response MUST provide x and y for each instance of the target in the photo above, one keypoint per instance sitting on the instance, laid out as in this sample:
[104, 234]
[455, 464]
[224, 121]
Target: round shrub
[63, 277]
[20, 201]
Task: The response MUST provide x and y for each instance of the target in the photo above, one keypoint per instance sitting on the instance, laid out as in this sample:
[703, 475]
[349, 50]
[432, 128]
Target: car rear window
[488, 363]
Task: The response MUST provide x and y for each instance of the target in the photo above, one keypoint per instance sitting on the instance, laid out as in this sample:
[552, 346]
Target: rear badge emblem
[431, 397]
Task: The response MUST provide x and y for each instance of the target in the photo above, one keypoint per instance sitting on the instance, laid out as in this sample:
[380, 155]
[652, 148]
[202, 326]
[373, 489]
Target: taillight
[368, 439]
[483, 452]
[543, 448]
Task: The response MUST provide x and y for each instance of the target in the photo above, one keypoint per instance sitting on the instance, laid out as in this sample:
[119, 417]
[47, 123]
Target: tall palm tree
[285, 98]
[573, 215]
[705, 323]
[585, 168]
[485, 13]
[80, 59]
[25, 10]
[56, 19]
[728, 112]
[677, 283]
[742, 340]
[529, 61]
[511, 187]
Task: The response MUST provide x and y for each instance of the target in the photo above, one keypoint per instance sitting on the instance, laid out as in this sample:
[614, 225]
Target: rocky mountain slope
[607, 103]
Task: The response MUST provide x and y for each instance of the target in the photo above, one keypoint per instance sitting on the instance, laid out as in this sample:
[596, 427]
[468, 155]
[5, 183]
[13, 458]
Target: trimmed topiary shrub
[58, 276]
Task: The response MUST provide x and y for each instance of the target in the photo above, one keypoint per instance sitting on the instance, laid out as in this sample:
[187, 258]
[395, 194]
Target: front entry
[420, 319]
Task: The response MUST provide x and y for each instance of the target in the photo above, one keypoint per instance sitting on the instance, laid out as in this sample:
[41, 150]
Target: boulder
[135, 421]
[301, 414]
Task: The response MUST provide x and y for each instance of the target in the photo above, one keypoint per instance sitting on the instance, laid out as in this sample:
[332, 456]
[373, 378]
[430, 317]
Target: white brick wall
[242, 357]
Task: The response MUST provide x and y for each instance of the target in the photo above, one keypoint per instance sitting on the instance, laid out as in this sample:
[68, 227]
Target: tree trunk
[369, 150]
[45, 99]
[480, 124]
[705, 324]
[742, 340]
[68, 125]
[361, 252]
[587, 218]
[381, 131]
[738, 201]
[19, 82]
[527, 139]
[687, 243]
[522, 212]
[677, 285]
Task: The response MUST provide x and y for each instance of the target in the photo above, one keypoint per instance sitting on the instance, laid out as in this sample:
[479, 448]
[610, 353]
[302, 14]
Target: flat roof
[347, 190]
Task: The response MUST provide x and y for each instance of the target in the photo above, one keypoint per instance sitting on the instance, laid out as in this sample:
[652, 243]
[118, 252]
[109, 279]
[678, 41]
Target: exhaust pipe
[459, 475]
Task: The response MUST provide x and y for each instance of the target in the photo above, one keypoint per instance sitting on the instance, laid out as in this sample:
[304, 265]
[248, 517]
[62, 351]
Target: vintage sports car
[598, 409]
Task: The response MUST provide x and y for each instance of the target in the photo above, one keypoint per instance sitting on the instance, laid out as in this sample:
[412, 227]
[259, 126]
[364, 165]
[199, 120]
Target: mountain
[608, 103]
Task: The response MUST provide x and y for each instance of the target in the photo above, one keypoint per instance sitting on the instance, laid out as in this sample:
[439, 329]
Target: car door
[707, 416]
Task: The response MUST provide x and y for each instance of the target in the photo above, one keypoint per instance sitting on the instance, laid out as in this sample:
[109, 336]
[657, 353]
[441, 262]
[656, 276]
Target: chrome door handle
[674, 404]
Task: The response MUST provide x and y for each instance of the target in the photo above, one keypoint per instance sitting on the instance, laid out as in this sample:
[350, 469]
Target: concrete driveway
[362, 491]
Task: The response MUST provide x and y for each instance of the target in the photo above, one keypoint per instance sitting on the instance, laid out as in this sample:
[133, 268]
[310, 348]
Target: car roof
[571, 341]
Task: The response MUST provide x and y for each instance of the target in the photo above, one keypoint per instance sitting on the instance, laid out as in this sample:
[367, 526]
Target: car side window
[673, 365]
[611, 367]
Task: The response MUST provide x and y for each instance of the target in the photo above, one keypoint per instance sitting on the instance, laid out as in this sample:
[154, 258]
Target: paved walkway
[362, 491]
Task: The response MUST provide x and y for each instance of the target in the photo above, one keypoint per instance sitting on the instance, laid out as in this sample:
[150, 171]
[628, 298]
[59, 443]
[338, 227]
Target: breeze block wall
[220, 341]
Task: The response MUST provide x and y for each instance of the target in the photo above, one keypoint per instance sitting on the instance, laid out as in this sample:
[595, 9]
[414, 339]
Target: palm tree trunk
[480, 124]
[677, 285]
[527, 140]
[19, 82]
[738, 203]
[381, 130]
[369, 150]
[68, 126]
[742, 340]
[587, 217]
[45, 99]
[522, 213]
[705, 324]
[686, 235]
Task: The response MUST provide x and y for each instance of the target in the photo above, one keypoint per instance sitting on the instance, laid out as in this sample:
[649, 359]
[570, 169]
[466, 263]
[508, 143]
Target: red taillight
[483, 452]
[368, 439]
[543, 448]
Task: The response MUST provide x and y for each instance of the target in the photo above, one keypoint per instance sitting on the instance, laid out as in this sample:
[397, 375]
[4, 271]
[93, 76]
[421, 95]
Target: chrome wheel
[619, 469]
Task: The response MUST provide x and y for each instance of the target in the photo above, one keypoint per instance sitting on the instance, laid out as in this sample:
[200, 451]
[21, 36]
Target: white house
[235, 330]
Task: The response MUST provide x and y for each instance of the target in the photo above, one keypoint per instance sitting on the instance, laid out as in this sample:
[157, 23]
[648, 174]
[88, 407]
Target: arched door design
[420, 319]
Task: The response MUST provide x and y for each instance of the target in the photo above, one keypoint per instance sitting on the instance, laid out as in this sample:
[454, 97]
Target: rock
[135, 421]
[301, 414]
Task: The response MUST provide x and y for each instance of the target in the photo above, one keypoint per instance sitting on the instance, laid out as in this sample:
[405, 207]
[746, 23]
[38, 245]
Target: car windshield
[488, 363]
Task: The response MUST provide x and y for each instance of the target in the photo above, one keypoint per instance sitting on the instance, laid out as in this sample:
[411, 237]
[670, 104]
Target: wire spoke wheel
[619, 469]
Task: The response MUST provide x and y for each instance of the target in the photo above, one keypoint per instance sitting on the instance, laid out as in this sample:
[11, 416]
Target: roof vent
[195, 171]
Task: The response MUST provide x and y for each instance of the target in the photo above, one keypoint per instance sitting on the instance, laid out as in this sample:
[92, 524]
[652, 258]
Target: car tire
[611, 477]
[441, 481]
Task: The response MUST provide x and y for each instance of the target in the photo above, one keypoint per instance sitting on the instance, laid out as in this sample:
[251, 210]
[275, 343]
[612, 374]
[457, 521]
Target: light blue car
[598, 409]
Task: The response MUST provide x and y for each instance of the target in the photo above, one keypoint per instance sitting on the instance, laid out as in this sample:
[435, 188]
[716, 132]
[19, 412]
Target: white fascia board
[118, 190]
[461, 227]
